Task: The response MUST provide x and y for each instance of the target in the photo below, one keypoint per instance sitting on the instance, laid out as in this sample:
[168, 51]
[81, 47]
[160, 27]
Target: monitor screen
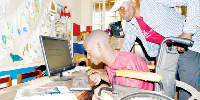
[56, 54]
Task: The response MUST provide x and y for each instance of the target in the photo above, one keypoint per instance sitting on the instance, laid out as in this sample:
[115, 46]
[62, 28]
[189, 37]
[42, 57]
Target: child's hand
[92, 71]
[96, 92]
[95, 78]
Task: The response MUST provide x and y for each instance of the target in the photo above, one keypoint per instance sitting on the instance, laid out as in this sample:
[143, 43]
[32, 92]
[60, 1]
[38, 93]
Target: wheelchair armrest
[147, 76]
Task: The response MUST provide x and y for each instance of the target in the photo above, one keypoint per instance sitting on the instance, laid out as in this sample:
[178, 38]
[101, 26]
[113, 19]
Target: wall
[86, 12]
[81, 11]
[75, 5]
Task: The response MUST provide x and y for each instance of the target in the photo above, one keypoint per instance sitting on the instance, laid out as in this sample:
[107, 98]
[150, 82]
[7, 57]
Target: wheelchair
[164, 86]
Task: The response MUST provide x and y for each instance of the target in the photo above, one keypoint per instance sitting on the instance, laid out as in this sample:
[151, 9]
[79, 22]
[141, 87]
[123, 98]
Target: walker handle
[184, 41]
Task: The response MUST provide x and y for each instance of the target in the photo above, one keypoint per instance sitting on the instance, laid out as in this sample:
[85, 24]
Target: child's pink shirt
[128, 61]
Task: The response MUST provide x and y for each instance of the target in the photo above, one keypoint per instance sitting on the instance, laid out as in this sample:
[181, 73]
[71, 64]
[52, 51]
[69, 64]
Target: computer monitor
[57, 56]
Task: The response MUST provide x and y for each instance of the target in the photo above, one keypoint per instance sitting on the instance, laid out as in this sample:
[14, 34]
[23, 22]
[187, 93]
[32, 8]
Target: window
[102, 16]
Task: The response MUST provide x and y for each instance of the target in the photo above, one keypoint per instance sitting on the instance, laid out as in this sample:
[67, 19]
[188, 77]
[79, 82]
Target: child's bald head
[97, 36]
[95, 44]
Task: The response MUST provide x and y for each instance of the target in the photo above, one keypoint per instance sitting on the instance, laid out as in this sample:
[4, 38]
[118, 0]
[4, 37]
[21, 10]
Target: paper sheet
[107, 97]
[45, 93]
[68, 96]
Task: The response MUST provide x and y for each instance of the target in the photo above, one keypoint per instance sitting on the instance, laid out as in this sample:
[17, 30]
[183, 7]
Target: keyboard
[80, 83]
[76, 69]
[64, 78]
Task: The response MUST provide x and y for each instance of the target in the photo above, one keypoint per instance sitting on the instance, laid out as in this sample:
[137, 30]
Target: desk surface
[10, 92]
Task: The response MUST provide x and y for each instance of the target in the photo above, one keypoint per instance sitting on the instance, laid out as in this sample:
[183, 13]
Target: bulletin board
[20, 31]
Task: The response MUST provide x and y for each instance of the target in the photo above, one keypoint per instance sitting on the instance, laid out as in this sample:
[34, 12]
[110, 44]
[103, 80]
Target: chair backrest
[81, 57]
[36, 73]
[7, 80]
[151, 67]
[41, 67]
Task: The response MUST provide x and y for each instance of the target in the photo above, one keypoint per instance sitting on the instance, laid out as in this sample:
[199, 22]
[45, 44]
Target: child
[98, 48]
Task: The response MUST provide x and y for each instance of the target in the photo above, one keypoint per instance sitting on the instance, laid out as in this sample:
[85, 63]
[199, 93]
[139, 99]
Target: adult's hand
[184, 35]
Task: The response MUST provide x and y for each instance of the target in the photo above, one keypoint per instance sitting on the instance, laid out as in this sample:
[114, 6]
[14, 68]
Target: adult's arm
[129, 39]
[193, 13]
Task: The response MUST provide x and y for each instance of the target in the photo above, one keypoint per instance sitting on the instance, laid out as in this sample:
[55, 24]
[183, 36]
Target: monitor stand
[60, 77]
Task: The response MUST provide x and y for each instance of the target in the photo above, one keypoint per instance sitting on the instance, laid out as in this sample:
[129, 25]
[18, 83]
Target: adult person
[153, 20]
[98, 48]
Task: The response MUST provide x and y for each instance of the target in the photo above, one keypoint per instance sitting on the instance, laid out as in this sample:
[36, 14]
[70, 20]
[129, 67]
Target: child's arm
[94, 76]
[92, 71]
[103, 74]
[96, 92]
[101, 80]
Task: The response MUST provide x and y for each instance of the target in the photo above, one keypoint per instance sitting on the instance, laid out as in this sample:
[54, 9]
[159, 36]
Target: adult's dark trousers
[188, 71]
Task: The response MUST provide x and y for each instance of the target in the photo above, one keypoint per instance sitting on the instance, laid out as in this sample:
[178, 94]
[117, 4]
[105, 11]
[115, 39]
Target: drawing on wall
[57, 22]
[15, 57]
[22, 28]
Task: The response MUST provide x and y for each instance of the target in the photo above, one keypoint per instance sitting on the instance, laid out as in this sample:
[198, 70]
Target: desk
[10, 92]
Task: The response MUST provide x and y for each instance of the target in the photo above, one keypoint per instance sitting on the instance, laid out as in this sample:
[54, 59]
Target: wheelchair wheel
[145, 96]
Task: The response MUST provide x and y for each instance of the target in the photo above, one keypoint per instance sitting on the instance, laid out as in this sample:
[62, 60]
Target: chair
[80, 58]
[7, 80]
[36, 73]
[141, 94]
[151, 68]
[43, 69]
